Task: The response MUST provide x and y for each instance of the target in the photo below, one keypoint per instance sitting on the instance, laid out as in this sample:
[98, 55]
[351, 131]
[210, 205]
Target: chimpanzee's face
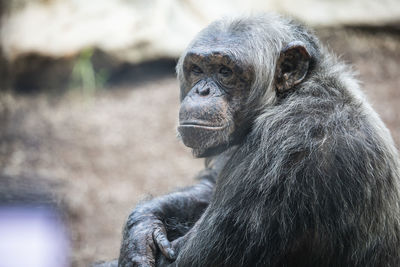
[216, 86]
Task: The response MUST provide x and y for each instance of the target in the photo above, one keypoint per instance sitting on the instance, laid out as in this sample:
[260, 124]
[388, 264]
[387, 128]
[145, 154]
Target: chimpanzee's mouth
[200, 124]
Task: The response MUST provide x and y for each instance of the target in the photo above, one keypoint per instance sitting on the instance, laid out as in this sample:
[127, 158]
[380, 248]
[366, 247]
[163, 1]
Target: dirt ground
[105, 153]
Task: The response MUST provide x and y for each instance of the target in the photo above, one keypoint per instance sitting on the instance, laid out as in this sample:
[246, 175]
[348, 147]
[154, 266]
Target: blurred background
[89, 105]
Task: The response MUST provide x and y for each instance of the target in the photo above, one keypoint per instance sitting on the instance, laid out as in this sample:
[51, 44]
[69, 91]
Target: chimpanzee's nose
[203, 91]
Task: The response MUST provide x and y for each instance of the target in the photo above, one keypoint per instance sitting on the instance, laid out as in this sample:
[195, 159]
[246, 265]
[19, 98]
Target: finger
[160, 238]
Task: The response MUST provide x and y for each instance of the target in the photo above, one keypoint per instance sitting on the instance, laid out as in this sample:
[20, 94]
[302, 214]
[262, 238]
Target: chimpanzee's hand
[143, 235]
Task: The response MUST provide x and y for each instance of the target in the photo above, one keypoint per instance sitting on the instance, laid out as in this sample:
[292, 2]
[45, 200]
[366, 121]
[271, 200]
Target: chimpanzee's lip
[200, 124]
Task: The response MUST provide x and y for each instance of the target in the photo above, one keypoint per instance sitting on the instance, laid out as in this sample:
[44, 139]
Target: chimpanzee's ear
[292, 66]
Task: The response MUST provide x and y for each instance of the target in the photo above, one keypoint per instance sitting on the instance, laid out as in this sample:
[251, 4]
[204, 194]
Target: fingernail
[171, 253]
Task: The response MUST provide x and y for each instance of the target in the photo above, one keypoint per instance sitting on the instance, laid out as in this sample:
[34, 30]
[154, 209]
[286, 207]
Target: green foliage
[84, 77]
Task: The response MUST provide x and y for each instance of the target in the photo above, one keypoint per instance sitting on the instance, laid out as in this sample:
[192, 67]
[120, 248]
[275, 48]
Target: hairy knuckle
[158, 234]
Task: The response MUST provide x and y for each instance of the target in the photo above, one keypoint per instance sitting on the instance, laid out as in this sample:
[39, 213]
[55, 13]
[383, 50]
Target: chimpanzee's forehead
[221, 56]
[218, 47]
[213, 53]
[224, 48]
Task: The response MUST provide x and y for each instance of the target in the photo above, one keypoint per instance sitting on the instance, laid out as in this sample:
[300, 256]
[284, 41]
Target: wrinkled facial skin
[215, 88]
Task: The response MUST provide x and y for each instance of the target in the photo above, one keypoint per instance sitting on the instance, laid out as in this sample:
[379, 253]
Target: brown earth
[111, 150]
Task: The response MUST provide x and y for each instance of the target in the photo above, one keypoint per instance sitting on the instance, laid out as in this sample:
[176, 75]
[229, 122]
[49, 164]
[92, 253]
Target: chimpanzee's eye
[196, 70]
[225, 72]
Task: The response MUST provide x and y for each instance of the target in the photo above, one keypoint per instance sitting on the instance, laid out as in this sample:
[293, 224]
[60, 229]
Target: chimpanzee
[300, 170]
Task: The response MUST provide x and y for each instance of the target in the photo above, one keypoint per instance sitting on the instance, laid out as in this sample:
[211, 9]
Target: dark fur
[316, 180]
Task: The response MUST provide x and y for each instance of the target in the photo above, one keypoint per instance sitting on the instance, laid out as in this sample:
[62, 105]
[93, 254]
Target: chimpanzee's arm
[165, 218]
[152, 224]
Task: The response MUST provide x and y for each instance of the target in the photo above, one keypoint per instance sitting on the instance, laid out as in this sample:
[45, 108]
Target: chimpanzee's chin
[208, 152]
[199, 136]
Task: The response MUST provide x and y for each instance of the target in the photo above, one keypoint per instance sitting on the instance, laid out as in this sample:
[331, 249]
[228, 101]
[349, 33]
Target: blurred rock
[139, 30]
[43, 43]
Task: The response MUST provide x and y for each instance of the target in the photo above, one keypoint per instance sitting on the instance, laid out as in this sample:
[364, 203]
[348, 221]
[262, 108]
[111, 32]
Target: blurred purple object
[32, 237]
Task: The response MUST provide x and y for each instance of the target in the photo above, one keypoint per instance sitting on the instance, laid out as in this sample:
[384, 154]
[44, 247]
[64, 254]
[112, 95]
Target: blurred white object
[138, 30]
[32, 237]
